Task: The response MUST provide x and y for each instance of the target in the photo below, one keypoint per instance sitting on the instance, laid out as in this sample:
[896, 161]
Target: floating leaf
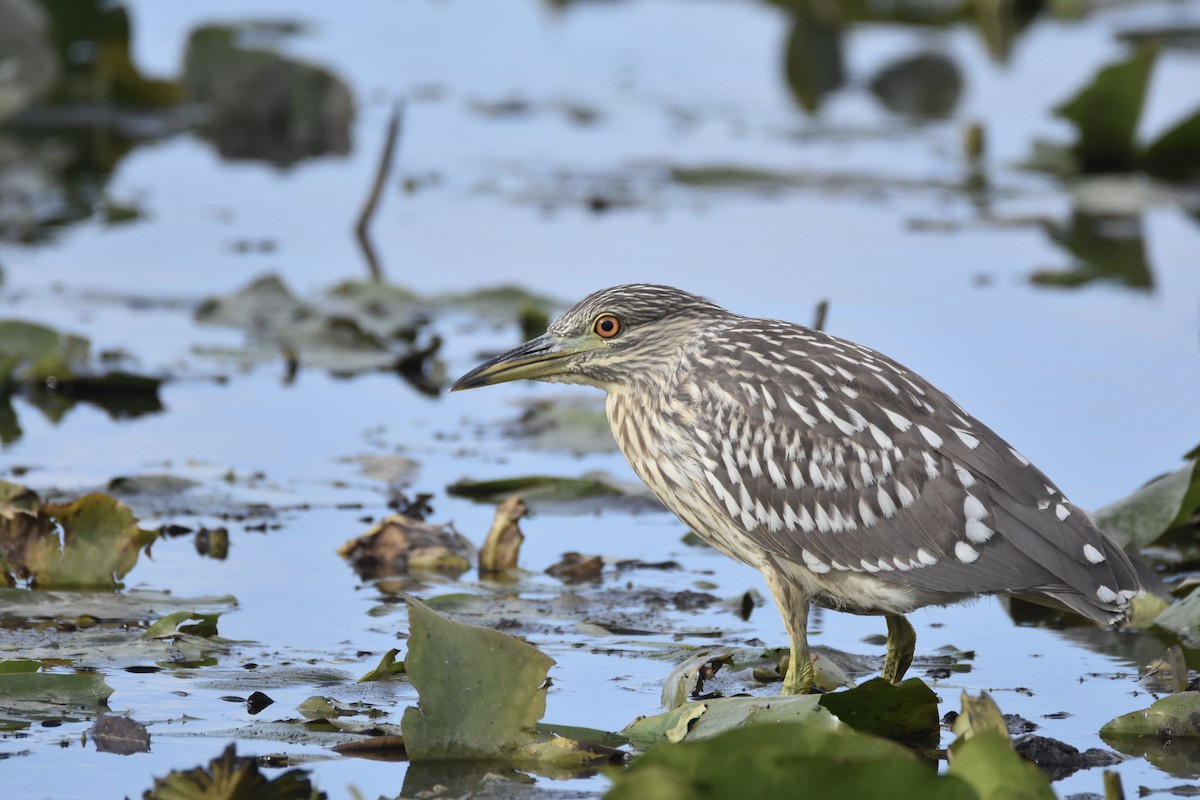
[984, 757]
[1183, 616]
[540, 487]
[481, 691]
[979, 715]
[796, 760]
[31, 353]
[704, 719]
[19, 666]
[1106, 112]
[895, 711]
[119, 735]
[205, 625]
[230, 777]
[86, 689]
[1175, 716]
[89, 543]
[481, 695]
[993, 769]
[1176, 154]
[387, 668]
[1142, 517]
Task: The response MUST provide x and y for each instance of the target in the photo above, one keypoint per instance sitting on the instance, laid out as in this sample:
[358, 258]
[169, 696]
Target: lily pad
[704, 719]
[539, 487]
[984, 757]
[1183, 617]
[31, 353]
[1106, 112]
[204, 625]
[89, 543]
[481, 691]
[325, 334]
[1176, 154]
[120, 735]
[387, 668]
[904, 711]
[1175, 716]
[54, 369]
[784, 760]
[1141, 518]
[481, 696]
[988, 763]
[33, 694]
[232, 777]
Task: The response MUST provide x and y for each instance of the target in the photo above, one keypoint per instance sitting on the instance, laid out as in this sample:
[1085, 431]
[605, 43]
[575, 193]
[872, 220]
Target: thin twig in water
[381, 176]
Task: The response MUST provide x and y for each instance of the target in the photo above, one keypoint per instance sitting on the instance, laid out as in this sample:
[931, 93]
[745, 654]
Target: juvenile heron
[845, 479]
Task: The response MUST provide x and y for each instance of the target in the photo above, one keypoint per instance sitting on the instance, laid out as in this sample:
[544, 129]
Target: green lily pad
[1176, 154]
[204, 625]
[1106, 112]
[1141, 518]
[345, 332]
[89, 543]
[1182, 617]
[79, 689]
[704, 719]
[720, 176]
[31, 353]
[901, 711]
[784, 760]
[988, 763]
[481, 696]
[1175, 716]
[481, 691]
[387, 669]
[19, 666]
[983, 755]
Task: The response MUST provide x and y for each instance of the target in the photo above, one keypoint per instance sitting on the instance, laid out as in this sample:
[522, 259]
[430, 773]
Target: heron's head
[611, 338]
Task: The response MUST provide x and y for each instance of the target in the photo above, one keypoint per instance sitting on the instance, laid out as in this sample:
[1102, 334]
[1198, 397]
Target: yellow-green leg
[901, 642]
[793, 607]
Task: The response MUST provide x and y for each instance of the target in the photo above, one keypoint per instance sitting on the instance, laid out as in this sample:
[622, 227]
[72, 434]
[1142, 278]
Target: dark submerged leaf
[232, 777]
[120, 735]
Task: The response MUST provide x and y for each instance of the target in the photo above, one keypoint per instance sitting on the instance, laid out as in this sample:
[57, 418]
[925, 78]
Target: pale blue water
[1097, 385]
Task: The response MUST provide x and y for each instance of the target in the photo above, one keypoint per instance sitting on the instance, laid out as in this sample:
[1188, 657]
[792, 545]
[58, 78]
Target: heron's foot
[800, 677]
[901, 643]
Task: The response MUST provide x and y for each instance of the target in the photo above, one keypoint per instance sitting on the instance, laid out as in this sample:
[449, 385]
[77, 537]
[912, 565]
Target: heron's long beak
[542, 357]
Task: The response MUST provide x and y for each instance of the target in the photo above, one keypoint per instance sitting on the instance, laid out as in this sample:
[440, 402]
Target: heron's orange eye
[607, 326]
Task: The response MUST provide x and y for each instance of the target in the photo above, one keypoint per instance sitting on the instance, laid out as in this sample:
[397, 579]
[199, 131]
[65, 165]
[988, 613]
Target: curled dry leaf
[503, 544]
[399, 544]
[577, 568]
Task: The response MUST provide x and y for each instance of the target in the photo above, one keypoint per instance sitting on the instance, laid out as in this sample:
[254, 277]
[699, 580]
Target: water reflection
[73, 104]
[1107, 247]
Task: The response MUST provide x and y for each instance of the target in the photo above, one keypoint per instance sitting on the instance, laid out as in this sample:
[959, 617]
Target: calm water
[1096, 384]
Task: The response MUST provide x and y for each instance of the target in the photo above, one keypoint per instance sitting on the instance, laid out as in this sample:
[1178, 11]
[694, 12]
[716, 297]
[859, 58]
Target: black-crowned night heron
[845, 479]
